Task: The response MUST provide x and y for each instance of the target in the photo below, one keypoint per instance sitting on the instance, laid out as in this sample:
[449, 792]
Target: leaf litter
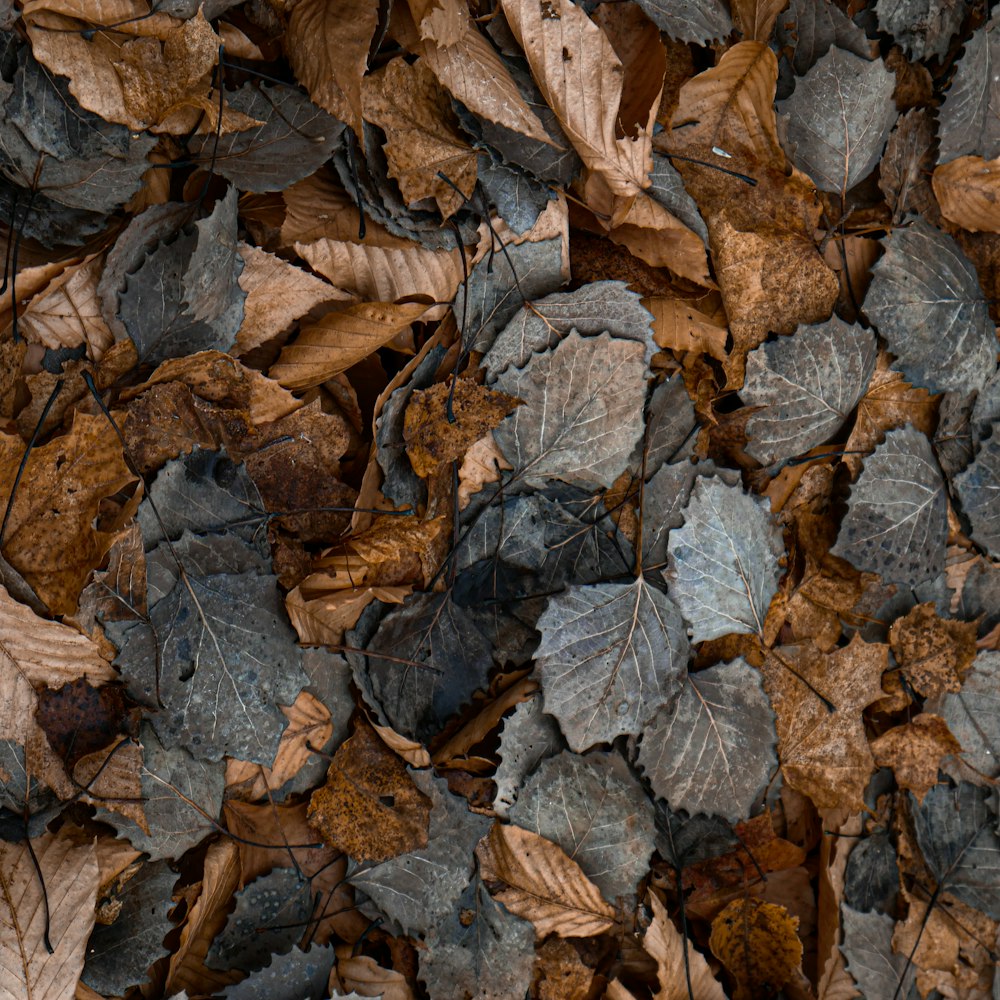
[470, 541]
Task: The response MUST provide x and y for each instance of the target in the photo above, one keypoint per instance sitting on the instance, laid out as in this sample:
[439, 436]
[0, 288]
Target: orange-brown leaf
[914, 751]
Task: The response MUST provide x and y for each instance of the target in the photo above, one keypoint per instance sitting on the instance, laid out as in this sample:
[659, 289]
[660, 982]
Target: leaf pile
[499, 499]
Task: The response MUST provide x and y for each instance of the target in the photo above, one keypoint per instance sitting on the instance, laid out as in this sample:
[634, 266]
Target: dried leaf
[933, 652]
[914, 752]
[923, 27]
[871, 960]
[976, 488]
[967, 190]
[690, 21]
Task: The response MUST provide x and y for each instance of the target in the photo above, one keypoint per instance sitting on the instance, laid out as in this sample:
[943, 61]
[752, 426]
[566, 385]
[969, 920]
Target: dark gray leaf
[20, 791]
[723, 564]
[611, 656]
[867, 948]
[714, 751]
[670, 422]
[269, 917]
[986, 409]
[517, 196]
[973, 716]
[839, 118]
[926, 301]
[667, 187]
[924, 28]
[904, 173]
[296, 139]
[953, 441]
[583, 411]
[119, 954]
[685, 840]
[494, 295]
[969, 119]
[807, 386]
[446, 658]
[298, 975]
[601, 306]
[978, 488]
[812, 27]
[174, 825]
[699, 21]
[897, 514]
[527, 738]
[956, 831]
[872, 878]
[49, 222]
[419, 890]
[481, 951]
[980, 596]
[604, 821]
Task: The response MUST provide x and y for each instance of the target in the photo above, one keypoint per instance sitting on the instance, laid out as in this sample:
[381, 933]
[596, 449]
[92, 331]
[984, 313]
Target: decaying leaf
[915, 750]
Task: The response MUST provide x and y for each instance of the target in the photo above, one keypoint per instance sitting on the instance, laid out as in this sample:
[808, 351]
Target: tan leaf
[422, 135]
[369, 806]
[679, 326]
[377, 274]
[415, 754]
[327, 44]
[581, 78]
[536, 880]
[112, 779]
[933, 652]
[70, 874]
[322, 620]
[914, 751]
[341, 339]
[440, 21]
[278, 293]
[364, 977]
[968, 191]
[68, 313]
[563, 972]
[482, 464]
[755, 19]
[308, 725]
[818, 699]
[50, 538]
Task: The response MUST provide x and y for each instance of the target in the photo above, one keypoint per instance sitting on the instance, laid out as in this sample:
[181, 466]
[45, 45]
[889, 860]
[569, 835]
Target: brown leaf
[78, 718]
[369, 807]
[482, 464]
[679, 326]
[754, 19]
[759, 944]
[968, 191]
[440, 424]
[340, 339]
[914, 751]
[818, 699]
[364, 977]
[563, 973]
[933, 652]
[70, 875]
[327, 44]
[113, 780]
[536, 880]
[322, 620]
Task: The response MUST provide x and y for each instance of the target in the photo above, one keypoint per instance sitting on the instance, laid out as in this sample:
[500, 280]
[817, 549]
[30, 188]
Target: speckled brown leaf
[915, 751]
[933, 652]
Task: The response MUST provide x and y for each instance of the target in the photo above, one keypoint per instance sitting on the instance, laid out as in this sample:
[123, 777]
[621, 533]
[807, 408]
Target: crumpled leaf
[839, 118]
[807, 385]
[689, 20]
[482, 950]
[420, 889]
[604, 823]
[723, 561]
[535, 879]
[976, 488]
[924, 28]
[610, 657]
[582, 414]
[526, 739]
[714, 752]
[956, 831]
[926, 301]
[969, 123]
[896, 520]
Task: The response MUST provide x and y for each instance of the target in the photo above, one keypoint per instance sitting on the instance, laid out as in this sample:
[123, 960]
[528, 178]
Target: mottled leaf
[807, 386]
[923, 28]
[723, 561]
[896, 521]
[977, 488]
[714, 752]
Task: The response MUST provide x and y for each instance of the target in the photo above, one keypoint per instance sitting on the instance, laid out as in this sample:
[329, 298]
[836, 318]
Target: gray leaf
[667, 187]
[527, 738]
[978, 488]
[582, 414]
[807, 384]
[699, 21]
[600, 307]
[419, 889]
[904, 173]
[515, 194]
[296, 139]
[980, 597]
[670, 421]
[714, 752]
[298, 975]
[923, 28]
[897, 519]
[953, 440]
[604, 821]
[986, 408]
[723, 563]
[611, 656]
[926, 301]
[973, 716]
[969, 119]
[839, 118]
[871, 881]
[867, 948]
[174, 825]
[119, 954]
[956, 831]
[480, 951]
[49, 222]
[812, 27]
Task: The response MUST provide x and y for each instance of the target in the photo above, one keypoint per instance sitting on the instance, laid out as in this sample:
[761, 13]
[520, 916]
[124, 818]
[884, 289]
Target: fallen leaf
[915, 750]
[934, 653]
